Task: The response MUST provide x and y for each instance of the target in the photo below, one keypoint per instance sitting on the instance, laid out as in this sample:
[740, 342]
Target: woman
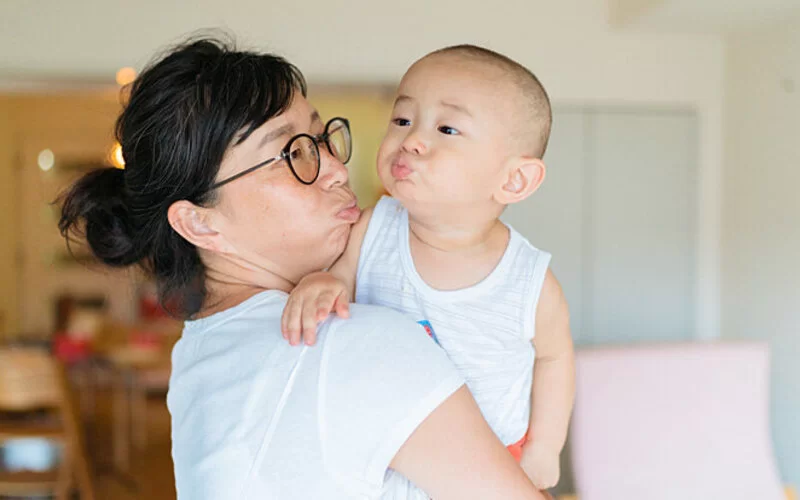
[233, 190]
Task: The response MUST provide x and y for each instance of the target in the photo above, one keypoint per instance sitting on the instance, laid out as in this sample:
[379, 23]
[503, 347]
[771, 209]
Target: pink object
[685, 421]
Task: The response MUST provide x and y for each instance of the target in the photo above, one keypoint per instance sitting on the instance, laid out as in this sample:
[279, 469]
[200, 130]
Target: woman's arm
[453, 454]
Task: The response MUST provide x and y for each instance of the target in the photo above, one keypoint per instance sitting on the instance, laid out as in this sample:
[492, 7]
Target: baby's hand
[314, 297]
[541, 463]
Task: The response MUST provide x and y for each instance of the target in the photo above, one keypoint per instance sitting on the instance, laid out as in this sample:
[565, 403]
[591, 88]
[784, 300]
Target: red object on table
[70, 350]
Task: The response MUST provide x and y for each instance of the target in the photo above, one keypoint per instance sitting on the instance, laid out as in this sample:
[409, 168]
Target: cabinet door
[641, 213]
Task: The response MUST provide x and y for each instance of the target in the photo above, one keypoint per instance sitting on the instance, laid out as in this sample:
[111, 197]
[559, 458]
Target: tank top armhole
[534, 292]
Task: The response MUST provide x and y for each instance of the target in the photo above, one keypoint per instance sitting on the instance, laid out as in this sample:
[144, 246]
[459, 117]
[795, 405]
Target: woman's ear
[522, 178]
[192, 223]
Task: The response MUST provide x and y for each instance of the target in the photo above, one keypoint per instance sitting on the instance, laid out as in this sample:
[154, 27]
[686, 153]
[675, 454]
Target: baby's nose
[415, 144]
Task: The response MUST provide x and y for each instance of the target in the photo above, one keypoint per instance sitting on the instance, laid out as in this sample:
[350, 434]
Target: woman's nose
[333, 172]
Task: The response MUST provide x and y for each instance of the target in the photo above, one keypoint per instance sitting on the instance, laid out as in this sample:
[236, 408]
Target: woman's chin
[334, 246]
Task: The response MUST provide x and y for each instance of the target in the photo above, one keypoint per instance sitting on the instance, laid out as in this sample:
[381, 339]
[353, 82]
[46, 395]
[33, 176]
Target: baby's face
[448, 137]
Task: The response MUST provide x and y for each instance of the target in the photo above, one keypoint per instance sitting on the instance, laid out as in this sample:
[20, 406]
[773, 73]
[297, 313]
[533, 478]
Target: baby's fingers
[309, 324]
[342, 305]
[291, 321]
[326, 304]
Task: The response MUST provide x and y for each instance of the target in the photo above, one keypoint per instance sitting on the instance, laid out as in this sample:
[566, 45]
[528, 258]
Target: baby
[466, 138]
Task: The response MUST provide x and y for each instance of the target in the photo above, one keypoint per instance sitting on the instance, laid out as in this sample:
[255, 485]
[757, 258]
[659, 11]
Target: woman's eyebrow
[281, 131]
[284, 130]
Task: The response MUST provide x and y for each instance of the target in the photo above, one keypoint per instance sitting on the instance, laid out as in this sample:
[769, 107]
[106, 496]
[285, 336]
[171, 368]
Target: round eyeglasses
[302, 152]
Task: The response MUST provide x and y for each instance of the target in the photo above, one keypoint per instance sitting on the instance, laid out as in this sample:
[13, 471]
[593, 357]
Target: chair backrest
[30, 379]
[688, 421]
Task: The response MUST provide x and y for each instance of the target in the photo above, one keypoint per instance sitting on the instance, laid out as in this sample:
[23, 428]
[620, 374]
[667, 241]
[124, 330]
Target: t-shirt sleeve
[381, 376]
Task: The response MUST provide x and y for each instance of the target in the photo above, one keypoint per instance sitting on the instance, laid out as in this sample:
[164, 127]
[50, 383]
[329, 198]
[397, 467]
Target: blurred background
[671, 207]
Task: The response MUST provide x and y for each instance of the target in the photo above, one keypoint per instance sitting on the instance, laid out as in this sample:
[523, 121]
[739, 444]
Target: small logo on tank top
[429, 329]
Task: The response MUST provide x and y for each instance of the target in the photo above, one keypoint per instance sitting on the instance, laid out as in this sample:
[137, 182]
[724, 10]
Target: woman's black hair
[183, 113]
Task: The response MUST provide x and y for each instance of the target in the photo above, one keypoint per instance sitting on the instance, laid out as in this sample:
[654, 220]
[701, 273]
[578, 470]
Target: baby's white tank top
[486, 329]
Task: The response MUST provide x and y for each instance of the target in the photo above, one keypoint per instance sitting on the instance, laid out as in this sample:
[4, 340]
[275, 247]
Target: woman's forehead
[300, 117]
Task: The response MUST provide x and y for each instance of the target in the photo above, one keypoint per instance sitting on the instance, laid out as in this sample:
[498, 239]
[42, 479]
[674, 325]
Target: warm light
[116, 156]
[46, 160]
[126, 75]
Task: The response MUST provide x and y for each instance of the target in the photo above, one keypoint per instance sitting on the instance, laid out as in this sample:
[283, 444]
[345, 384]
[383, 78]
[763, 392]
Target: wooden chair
[31, 382]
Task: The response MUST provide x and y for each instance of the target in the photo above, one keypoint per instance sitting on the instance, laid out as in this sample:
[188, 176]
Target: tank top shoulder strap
[381, 231]
[530, 264]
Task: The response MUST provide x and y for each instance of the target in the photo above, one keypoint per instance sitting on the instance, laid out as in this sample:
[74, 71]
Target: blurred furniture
[134, 359]
[135, 370]
[35, 395]
[129, 358]
[686, 421]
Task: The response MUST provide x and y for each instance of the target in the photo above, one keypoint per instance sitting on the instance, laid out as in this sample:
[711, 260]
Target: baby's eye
[401, 122]
[448, 130]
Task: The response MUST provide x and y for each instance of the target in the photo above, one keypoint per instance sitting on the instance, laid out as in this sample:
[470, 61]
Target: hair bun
[95, 207]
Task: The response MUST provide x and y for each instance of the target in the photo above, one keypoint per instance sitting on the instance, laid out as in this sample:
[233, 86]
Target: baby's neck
[456, 256]
[449, 237]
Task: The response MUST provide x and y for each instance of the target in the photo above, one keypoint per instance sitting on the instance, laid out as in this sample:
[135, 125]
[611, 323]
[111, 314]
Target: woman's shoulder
[378, 338]
[365, 313]
[258, 307]
[380, 377]
[376, 321]
[242, 336]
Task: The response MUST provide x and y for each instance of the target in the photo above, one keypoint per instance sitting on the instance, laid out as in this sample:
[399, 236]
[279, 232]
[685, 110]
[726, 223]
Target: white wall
[706, 16]
[567, 43]
[761, 222]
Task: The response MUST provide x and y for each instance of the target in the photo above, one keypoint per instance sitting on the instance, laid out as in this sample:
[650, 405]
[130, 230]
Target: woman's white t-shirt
[253, 417]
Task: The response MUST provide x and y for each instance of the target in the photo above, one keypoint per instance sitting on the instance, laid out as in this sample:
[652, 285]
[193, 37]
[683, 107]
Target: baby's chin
[412, 199]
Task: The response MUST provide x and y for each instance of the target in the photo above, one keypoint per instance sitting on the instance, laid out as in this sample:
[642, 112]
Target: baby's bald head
[531, 124]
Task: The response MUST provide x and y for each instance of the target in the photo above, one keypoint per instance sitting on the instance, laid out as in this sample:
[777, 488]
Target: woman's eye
[295, 153]
[401, 122]
[448, 130]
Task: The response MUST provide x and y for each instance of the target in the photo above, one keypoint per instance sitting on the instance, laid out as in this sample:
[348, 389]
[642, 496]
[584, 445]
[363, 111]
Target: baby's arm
[553, 388]
[318, 294]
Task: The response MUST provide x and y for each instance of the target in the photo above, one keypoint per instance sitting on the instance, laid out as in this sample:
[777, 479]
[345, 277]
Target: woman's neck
[228, 283]
[215, 301]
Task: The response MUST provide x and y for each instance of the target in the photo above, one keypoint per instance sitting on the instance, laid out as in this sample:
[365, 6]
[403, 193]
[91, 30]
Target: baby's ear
[523, 176]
